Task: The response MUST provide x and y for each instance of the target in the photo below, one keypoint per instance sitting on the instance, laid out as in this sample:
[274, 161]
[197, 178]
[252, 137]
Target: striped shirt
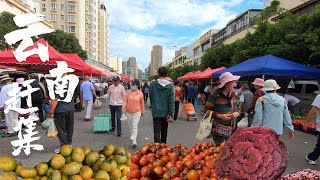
[222, 104]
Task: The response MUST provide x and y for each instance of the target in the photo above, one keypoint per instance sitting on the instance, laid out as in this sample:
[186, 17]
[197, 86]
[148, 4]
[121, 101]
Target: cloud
[137, 25]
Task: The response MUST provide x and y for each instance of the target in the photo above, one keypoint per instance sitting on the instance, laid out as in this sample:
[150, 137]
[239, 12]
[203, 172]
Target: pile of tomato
[298, 125]
[160, 161]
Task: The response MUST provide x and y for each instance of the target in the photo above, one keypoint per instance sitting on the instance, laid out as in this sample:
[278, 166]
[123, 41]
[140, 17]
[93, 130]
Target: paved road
[181, 132]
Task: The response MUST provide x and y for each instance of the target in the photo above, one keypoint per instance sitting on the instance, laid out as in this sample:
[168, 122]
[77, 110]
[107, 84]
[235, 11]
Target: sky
[136, 25]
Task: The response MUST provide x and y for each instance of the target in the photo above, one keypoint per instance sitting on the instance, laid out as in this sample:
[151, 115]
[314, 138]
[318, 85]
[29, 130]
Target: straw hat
[227, 77]
[5, 77]
[258, 82]
[270, 85]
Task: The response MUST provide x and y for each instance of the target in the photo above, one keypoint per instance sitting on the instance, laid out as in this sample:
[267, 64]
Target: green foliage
[182, 70]
[6, 25]
[296, 38]
[65, 43]
[153, 77]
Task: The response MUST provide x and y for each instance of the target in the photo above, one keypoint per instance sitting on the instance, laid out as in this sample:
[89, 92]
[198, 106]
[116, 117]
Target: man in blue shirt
[87, 92]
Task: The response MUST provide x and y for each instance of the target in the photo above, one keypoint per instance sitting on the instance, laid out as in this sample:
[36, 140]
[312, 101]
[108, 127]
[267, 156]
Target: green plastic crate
[102, 123]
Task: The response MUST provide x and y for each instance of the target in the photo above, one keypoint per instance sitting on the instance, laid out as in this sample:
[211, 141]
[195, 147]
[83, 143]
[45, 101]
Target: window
[71, 8]
[71, 18]
[53, 6]
[71, 29]
[53, 17]
[62, 17]
[62, 6]
[43, 7]
[62, 27]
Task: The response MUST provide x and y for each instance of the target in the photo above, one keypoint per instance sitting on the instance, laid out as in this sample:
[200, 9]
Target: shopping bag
[195, 104]
[123, 117]
[243, 123]
[180, 110]
[46, 124]
[52, 131]
[97, 104]
[224, 130]
[205, 126]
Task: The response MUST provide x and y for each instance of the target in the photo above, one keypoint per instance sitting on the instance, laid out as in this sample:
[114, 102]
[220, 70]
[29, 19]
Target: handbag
[224, 130]
[243, 123]
[205, 126]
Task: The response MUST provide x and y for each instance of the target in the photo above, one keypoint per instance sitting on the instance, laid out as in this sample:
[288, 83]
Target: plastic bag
[205, 126]
[123, 117]
[46, 124]
[243, 123]
[97, 104]
[52, 131]
[195, 104]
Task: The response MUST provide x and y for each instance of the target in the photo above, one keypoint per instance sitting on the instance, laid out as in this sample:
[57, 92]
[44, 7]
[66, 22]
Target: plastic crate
[102, 123]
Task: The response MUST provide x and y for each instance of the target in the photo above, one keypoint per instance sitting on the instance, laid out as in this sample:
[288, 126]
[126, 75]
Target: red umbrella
[34, 62]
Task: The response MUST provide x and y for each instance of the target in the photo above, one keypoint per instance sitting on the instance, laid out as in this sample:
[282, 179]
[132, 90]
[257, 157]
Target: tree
[6, 25]
[65, 43]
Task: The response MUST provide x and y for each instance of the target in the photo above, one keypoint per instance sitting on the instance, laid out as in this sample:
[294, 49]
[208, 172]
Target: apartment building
[88, 20]
[130, 68]
[115, 62]
[18, 7]
[156, 59]
[180, 58]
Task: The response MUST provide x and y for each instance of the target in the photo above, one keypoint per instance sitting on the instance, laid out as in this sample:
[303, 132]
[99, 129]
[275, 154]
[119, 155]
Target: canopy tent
[125, 78]
[207, 74]
[34, 62]
[108, 74]
[272, 66]
[184, 77]
[84, 67]
[194, 75]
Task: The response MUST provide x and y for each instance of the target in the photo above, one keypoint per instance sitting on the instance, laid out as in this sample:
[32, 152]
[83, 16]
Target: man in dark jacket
[162, 105]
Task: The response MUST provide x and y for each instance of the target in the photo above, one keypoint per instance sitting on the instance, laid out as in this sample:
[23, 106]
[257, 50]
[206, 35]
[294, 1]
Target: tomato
[193, 175]
[150, 166]
[166, 176]
[159, 171]
[135, 158]
[214, 175]
[179, 165]
[189, 164]
[144, 150]
[184, 174]
[173, 172]
[206, 171]
[206, 152]
[202, 155]
[144, 178]
[222, 145]
[170, 149]
[177, 178]
[144, 161]
[184, 152]
[150, 145]
[158, 154]
[178, 146]
[197, 149]
[173, 157]
[170, 165]
[203, 177]
[210, 144]
[146, 171]
[197, 158]
[164, 151]
[134, 166]
[218, 149]
[210, 164]
[135, 173]
[158, 163]
[184, 148]
[165, 159]
[197, 165]
[151, 157]
[163, 145]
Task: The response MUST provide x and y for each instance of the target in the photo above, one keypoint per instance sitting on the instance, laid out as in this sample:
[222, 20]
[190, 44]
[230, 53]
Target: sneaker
[119, 134]
[57, 151]
[310, 161]
[112, 130]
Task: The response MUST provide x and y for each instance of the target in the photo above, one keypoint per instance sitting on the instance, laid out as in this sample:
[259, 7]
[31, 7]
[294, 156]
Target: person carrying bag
[225, 107]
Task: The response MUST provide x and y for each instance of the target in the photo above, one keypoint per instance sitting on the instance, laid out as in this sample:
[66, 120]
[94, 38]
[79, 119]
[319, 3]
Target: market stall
[85, 68]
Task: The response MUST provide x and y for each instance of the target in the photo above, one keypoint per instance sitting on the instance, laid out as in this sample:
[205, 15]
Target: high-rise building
[132, 66]
[156, 59]
[115, 63]
[124, 68]
[88, 20]
[139, 74]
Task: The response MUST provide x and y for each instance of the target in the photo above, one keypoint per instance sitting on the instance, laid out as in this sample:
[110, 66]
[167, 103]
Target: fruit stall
[251, 153]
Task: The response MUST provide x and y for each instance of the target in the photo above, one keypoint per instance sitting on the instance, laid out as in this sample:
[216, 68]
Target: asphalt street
[182, 132]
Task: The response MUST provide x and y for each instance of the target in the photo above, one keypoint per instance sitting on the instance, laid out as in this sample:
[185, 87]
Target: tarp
[34, 62]
[84, 67]
[194, 75]
[124, 77]
[272, 66]
[206, 74]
